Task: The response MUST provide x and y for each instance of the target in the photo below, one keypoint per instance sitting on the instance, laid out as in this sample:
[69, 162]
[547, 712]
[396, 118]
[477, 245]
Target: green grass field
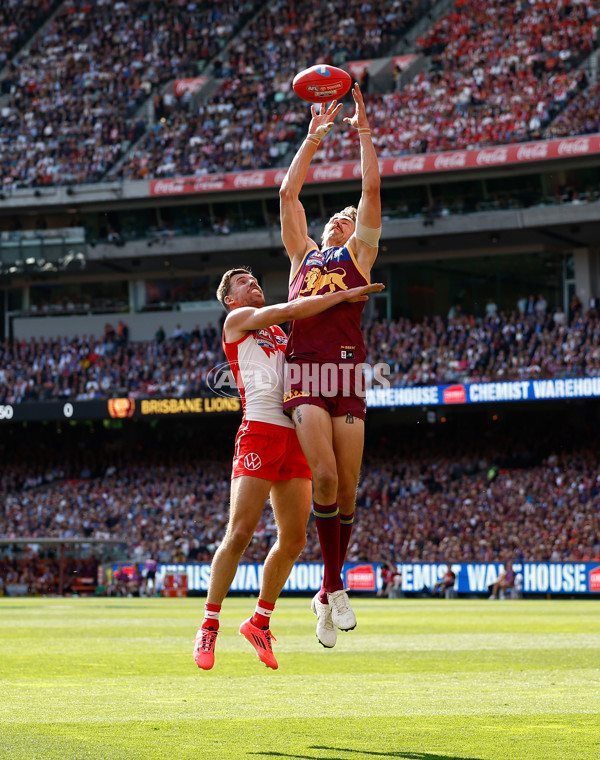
[104, 679]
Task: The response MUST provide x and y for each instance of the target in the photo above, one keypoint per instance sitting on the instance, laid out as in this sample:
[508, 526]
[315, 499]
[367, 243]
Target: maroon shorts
[337, 388]
[270, 452]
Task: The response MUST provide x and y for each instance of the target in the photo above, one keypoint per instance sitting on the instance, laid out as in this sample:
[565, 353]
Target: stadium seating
[500, 74]
[505, 346]
[580, 117]
[19, 19]
[252, 121]
[75, 93]
[74, 105]
[415, 503]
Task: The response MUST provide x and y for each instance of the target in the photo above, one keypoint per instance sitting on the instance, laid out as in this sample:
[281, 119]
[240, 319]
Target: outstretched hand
[322, 122]
[359, 119]
[360, 293]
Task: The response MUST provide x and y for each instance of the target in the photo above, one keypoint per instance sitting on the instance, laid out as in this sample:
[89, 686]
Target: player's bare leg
[291, 502]
[248, 497]
[291, 506]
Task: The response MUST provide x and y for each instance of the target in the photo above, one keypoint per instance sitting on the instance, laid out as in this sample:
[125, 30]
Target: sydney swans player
[267, 459]
[330, 421]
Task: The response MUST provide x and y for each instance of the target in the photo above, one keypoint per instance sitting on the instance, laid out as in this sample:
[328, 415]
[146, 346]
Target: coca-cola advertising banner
[429, 163]
[189, 85]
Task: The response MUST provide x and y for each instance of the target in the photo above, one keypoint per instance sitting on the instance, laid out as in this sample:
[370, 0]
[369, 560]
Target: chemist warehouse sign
[477, 393]
[471, 578]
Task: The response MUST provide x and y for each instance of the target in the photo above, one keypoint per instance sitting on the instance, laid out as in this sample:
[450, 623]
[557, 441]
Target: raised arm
[365, 240]
[246, 318]
[294, 230]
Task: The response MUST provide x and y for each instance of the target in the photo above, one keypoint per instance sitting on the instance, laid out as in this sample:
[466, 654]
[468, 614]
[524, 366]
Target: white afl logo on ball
[252, 461]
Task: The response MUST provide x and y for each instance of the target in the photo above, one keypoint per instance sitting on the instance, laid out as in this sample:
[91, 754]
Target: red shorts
[270, 452]
[339, 390]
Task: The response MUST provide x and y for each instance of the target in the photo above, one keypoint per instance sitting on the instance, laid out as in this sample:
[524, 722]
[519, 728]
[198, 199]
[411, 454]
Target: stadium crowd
[519, 345]
[492, 501]
[19, 19]
[75, 92]
[87, 368]
[500, 73]
[532, 343]
[250, 122]
[580, 117]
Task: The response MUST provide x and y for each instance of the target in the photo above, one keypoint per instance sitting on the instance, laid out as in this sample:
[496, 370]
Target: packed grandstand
[514, 345]
[93, 91]
[77, 93]
[537, 500]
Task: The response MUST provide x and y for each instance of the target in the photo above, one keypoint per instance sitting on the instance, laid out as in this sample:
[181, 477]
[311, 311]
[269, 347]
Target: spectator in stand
[541, 305]
[122, 333]
[580, 117]
[559, 317]
[491, 308]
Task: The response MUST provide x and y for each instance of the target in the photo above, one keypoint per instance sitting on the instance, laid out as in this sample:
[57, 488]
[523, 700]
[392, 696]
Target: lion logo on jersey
[316, 281]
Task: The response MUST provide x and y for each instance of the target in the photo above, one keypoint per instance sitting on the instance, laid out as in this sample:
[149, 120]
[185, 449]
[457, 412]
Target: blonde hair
[225, 284]
[350, 211]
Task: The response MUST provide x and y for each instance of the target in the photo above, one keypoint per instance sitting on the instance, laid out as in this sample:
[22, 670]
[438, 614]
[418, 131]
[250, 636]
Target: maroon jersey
[335, 334]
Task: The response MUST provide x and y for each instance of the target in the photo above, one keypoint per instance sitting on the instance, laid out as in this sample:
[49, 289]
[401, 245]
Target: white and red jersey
[257, 363]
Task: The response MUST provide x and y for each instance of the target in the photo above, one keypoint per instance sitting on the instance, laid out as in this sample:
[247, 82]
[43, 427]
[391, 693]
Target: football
[322, 83]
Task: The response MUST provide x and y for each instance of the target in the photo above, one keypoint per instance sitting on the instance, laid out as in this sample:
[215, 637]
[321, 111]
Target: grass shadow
[397, 755]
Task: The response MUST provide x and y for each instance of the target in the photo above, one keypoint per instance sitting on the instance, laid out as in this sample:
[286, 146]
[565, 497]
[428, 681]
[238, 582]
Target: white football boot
[326, 630]
[341, 612]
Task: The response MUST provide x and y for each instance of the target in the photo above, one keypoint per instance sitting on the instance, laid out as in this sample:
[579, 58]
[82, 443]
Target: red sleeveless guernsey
[335, 334]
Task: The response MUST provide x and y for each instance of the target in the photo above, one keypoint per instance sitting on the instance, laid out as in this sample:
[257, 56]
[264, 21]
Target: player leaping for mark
[330, 427]
[267, 456]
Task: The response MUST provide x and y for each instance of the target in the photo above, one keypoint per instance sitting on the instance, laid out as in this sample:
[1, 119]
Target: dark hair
[225, 284]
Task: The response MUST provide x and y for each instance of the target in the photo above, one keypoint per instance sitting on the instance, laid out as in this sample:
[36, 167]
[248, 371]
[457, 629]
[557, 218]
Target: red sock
[346, 524]
[327, 520]
[262, 614]
[211, 616]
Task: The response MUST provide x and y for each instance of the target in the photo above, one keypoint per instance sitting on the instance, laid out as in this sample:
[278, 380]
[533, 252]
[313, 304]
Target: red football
[322, 83]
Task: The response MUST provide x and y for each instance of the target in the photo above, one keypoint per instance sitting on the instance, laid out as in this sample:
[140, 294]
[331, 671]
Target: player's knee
[293, 544]
[238, 538]
[325, 480]
[346, 496]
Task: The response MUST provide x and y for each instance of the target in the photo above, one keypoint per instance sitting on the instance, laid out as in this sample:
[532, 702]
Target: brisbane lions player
[267, 460]
[330, 421]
